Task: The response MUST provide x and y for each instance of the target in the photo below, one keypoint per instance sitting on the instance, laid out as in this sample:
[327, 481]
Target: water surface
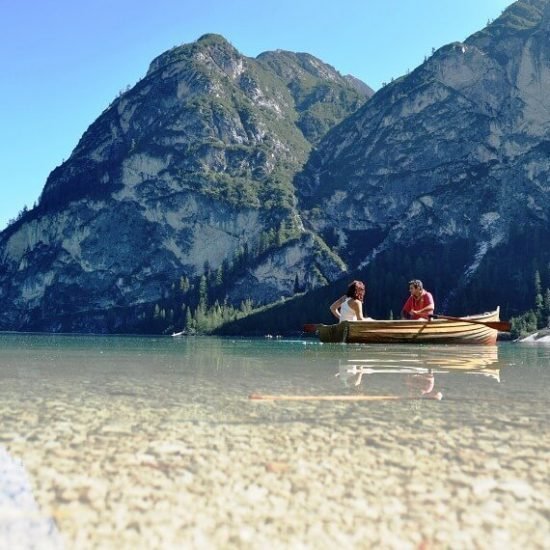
[154, 442]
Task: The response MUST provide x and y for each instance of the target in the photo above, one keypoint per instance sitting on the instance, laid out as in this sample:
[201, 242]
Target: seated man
[420, 304]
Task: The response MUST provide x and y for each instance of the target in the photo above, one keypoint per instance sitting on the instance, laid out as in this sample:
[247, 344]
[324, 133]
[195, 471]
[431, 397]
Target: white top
[346, 312]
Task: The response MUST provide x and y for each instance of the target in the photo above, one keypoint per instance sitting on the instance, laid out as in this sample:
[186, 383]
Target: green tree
[539, 301]
[218, 280]
[203, 292]
[538, 289]
[184, 284]
[189, 321]
[547, 306]
[523, 324]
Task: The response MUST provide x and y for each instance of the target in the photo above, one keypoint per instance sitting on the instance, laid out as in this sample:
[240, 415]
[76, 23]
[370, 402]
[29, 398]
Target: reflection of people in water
[418, 385]
[350, 375]
[423, 385]
[410, 373]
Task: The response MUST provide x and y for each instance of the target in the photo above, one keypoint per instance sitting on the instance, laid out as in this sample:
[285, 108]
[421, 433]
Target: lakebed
[144, 442]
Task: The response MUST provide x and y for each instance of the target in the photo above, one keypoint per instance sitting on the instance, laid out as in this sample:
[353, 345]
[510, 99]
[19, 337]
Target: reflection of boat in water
[471, 330]
[413, 371]
[447, 358]
[359, 369]
[423, 361]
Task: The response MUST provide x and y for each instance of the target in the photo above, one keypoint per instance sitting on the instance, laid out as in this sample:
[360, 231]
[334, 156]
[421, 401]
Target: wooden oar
[261, 397]
[502, 326]
[310, 327]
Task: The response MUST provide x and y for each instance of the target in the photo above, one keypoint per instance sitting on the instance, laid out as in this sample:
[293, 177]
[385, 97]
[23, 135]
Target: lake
[144, 442]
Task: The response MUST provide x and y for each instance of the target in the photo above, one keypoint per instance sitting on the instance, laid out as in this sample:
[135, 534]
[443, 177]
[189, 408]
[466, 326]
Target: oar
[502, 326]
[262, 397]
[310, 327]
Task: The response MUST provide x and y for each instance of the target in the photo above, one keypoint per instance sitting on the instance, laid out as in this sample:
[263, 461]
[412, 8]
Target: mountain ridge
[453, 152]
[202, 150]
[220, 183]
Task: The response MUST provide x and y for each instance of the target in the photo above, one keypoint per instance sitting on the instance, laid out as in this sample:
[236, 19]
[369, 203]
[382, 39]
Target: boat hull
[435, 331]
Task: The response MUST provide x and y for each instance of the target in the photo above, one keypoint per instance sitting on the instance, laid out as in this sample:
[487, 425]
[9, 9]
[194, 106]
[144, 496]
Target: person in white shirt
[350, 306]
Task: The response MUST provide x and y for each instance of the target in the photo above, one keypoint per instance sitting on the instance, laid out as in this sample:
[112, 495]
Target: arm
[357, 306]
[428, 309]
[335, 307]
[405, 312]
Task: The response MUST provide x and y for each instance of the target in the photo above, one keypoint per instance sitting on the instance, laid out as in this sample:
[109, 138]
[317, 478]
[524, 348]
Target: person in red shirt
[420, 304]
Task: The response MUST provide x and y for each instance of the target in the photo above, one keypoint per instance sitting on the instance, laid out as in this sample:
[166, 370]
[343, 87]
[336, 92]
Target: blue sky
[63, 61]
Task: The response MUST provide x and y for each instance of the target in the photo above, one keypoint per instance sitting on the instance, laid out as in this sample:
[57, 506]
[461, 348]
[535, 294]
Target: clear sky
[63, 61]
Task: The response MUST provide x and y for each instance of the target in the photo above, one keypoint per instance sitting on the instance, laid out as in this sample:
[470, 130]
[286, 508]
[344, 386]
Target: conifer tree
[203, 292]
[218, 280]
[189, 325]
[539, 301]
[547, 306]
[184, 284]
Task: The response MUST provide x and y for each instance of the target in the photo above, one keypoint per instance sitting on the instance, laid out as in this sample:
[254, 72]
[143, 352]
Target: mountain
[221, 184]
[186, 176]
[444, 174]
[359, 85]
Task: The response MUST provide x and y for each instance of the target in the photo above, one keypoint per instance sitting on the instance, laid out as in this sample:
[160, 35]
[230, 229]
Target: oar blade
[501, 326]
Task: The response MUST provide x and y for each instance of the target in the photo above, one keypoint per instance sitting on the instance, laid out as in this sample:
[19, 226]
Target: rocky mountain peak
[515, 22]
[454, 152]
[212, 50]
[290, 65]
[188, 173]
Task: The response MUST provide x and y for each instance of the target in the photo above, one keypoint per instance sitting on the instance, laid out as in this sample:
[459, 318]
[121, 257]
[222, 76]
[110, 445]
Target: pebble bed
[162, 465]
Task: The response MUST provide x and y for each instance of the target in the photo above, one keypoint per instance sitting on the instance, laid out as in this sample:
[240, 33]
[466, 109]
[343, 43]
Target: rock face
[539, 337]
[453, 155]
[183, 171]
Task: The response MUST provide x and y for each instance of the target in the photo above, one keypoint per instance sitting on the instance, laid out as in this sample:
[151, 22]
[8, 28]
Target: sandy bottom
[121, 469]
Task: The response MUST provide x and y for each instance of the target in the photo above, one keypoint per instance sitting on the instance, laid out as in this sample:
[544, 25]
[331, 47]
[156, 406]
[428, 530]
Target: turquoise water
[96, 420]
[174, 370]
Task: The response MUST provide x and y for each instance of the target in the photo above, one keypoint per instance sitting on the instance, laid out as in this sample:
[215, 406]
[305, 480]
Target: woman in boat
[350, 306]
[420, 304]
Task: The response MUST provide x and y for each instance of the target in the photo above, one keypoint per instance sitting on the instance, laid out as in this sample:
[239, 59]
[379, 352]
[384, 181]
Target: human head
[356, 290]
[416, 285]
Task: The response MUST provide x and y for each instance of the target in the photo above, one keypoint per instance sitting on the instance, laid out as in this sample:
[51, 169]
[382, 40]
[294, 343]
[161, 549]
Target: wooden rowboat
[473, 329]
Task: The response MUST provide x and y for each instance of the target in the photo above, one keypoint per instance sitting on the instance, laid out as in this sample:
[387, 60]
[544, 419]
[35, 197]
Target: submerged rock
[22, 525]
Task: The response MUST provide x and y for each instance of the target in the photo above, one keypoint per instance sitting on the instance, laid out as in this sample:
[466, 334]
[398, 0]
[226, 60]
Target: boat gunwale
[413, 331]
[487, 316]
